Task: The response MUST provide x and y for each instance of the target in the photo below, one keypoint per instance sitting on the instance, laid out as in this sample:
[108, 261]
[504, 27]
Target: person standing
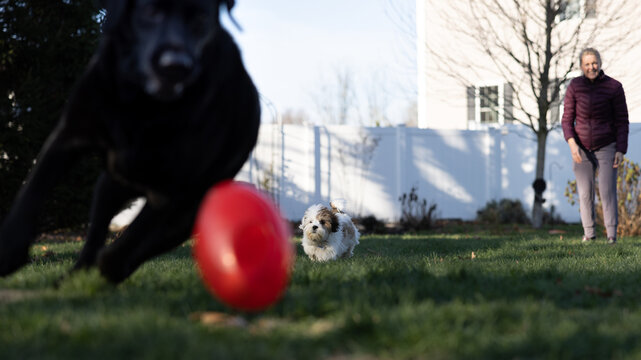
[595, 125]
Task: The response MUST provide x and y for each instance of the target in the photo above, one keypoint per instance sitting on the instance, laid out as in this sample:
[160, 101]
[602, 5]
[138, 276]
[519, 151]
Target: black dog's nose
[174, 65]
[314, 227]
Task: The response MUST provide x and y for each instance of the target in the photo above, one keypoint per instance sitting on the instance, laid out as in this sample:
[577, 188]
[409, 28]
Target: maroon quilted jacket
[595, 113]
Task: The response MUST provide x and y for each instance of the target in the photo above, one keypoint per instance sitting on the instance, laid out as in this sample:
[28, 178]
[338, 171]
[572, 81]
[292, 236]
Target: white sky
[292, 48]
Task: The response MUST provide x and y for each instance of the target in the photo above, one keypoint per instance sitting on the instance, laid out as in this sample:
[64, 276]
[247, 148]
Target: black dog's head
[161, 41]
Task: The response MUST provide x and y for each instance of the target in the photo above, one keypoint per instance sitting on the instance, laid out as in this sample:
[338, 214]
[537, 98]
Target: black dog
[168, 102]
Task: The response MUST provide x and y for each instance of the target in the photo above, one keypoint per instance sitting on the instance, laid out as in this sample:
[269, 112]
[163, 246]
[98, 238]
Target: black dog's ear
[229, 4]
[115, 11]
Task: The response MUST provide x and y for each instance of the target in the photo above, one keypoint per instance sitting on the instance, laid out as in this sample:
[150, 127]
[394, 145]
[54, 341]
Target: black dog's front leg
[19, 228]
[109, 197]
[154, 232]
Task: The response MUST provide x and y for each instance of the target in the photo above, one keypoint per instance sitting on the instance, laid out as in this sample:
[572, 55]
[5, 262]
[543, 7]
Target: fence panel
[459, 170]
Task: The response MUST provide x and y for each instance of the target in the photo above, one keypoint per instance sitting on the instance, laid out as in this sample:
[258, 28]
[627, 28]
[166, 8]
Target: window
[570, 9]
[489, 104]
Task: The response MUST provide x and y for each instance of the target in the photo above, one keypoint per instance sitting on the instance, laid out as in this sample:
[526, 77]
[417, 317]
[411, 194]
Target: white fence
[458, 170]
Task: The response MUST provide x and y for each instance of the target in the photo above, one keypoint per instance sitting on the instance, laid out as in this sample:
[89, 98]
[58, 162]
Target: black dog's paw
[12, 258]
[12, 262]
[85, 281]
[15, 239]
[81, 265]
[112, 267]
[85, 261]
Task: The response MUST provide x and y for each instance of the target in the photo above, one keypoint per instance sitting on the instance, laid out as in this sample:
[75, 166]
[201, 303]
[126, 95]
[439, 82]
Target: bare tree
[336, 100]
[533, 45]
[344, 99]
[295, 117]
[402, 13]
[377, 101]
[411, 114]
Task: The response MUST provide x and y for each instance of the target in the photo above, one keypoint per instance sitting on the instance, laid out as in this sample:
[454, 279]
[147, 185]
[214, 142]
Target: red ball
[242, 246]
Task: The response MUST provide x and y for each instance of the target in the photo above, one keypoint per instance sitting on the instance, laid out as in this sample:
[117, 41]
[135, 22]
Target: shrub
[415, 213]
[506, 211]
[39, 66]
[371, 225]
[551, 217]
[628, 198]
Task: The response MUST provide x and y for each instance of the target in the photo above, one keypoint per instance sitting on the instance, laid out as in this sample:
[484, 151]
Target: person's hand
[618, 159]
[574, 149]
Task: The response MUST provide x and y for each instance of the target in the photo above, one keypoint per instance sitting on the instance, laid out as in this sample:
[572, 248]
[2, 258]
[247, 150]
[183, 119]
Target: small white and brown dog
[328, 233]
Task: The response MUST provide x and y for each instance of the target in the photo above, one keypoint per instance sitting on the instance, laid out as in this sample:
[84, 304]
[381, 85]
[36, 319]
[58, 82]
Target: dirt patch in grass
[8, 296]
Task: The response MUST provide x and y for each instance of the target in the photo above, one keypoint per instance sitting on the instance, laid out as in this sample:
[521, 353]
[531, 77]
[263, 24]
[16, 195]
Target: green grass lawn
[457, 294]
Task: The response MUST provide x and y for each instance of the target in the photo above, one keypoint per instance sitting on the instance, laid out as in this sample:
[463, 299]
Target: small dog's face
[318, 222]
[165, 41]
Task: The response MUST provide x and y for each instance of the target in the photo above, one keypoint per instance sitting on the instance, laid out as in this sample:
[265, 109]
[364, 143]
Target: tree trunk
[539, 183]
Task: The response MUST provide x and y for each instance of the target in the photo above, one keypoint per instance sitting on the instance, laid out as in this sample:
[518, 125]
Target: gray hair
[590, 51]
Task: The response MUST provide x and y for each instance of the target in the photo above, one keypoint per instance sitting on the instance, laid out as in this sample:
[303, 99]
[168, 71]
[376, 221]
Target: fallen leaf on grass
[373, 252]
[58, 237]
[556, 232]
[473, 255]
[218, 319]
[45, 255]
[65, 327]
[602, 293]
[266, 325]
[14, 295]
[322, 327]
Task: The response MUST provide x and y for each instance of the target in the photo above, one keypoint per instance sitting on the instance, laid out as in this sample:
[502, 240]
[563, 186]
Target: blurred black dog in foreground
[168, 102]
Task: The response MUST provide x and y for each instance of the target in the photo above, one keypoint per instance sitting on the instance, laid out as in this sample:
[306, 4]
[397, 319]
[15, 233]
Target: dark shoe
[586, 239]
[612, 240]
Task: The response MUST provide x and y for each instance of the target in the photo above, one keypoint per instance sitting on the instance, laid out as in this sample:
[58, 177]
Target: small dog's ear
[302, 223]
[334, 223]
[115, 11]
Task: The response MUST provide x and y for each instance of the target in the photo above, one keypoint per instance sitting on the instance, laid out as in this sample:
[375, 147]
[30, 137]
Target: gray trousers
[602, 160]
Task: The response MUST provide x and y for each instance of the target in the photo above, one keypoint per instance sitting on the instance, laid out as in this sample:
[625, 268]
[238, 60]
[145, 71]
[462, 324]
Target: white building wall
[448, 61]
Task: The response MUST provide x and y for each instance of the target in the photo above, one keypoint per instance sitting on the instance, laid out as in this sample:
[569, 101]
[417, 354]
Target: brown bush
[417, 214]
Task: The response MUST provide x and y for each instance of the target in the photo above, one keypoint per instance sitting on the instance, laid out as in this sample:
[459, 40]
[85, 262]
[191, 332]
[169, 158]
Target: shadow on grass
[398, 297]
[388, 272]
